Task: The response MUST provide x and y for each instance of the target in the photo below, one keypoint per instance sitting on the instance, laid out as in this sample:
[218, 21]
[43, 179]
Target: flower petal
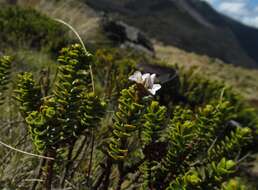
[145, 76]
[148, 84]
[154, 89]
[137, 77]
[153, 76]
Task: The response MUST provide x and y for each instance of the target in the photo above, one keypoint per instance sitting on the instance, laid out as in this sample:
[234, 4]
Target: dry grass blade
[83, 46]
[27, 153]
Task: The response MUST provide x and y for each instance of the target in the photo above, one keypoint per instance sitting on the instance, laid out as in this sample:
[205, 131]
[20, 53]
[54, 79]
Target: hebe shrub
[195, 145]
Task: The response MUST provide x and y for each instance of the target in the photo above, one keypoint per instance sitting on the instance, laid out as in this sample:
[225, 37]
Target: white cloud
[233, 8]
[238, 9]
[251, 21]
[209, 1]
[212, 2]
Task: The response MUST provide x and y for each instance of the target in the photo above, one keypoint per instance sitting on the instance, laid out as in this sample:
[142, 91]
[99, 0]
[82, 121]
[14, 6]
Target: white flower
[147, 80]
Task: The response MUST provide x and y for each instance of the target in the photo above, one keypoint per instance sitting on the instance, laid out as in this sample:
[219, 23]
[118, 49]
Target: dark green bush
[22, 27]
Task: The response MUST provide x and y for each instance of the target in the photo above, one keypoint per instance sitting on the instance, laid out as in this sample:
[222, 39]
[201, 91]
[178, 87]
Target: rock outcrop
[126, 35]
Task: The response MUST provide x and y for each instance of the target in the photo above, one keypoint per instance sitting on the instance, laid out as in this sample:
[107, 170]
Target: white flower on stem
[147, 80]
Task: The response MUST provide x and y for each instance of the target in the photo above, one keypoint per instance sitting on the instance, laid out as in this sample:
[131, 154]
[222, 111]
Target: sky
[245, 11]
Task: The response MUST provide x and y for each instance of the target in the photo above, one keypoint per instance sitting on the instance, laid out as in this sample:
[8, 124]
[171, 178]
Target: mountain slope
[188, 24]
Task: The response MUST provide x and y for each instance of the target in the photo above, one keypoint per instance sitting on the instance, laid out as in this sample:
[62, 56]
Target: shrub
[27, 28]
[197, 143]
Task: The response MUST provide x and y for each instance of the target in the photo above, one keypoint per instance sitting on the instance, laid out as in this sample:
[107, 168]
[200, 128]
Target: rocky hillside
[191, 25]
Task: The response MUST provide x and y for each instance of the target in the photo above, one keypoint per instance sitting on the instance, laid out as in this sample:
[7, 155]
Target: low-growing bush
[25, 27]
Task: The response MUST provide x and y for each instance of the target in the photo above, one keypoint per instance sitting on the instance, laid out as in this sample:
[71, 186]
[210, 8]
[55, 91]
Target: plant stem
[39, 173]
[107, 174]
[121, 175]
[80, 155]
[91, 156]
[49, 170]
[67, 166]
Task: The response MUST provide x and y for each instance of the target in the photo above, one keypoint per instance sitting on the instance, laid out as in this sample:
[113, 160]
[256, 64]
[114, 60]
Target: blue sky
[245, 11]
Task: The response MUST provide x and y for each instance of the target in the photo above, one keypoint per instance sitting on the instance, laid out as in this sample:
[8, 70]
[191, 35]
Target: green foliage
[27, 28]
[231, 144]
[181, 141]
[198, 90]
[28, 93]
[91, 104]
[155, 120]
[194, 141]
[126, 121]
[57, 121]
[216, 117]
[194, 151]
[72, 108]
[154, 117]
[5, 66]
[42, 126]
[208, 177]
[197, 146]
[112, 68]
[235, 184]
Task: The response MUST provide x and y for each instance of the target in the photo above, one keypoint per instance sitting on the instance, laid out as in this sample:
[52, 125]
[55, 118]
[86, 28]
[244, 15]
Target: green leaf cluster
[5, 67]
[126, 122]
[28, 93]
[71, 110]
[209, 177]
